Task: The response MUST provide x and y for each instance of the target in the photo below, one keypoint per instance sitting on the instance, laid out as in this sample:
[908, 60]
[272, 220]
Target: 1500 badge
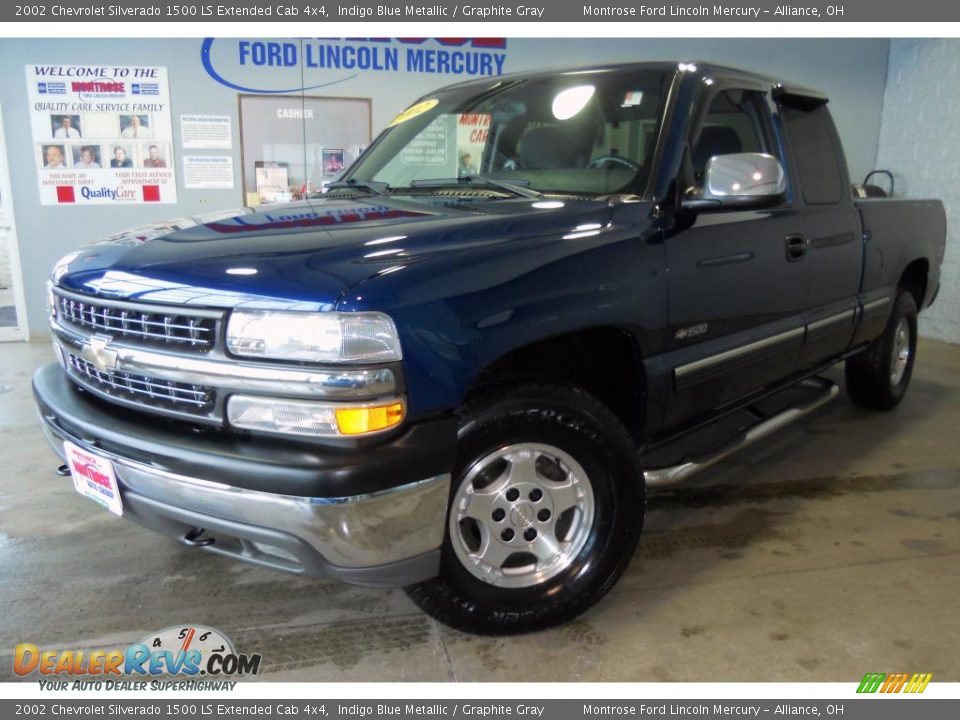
[691, 332]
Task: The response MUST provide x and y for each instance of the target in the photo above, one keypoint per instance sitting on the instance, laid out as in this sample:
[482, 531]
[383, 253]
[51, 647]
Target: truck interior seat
[552, 147]
[715, 140]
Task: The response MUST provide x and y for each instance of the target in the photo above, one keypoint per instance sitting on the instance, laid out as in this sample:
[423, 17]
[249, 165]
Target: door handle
[796, 247]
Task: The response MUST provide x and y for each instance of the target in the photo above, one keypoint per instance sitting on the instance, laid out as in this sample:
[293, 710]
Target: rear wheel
[878, 377]
[546, 509]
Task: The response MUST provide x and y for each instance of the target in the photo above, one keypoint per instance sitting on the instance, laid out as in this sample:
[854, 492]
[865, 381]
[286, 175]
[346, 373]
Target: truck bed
[899, 232]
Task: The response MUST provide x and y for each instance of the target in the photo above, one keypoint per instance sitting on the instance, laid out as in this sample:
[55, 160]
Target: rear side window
[816, 154]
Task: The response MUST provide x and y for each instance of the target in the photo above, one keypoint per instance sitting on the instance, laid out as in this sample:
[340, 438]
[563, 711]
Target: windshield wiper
[517, 188]
[377, 188]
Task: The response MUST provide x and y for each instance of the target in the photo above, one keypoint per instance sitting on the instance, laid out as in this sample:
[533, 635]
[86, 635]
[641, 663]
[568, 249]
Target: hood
[307, 255]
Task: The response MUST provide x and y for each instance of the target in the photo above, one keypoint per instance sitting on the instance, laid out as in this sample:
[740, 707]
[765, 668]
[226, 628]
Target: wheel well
[914, 280]
[605, 362]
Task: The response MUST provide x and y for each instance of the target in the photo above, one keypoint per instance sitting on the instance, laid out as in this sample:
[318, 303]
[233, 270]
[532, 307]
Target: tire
[878, 377]
[522, 450]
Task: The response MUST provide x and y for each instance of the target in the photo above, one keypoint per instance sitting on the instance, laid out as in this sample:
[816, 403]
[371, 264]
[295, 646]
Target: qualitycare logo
[191, 651]
[106, 193]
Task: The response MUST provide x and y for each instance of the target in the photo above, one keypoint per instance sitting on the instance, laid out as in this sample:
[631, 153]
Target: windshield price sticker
[413, 111]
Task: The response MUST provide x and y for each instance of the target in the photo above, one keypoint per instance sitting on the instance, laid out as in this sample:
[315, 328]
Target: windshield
[581, 133]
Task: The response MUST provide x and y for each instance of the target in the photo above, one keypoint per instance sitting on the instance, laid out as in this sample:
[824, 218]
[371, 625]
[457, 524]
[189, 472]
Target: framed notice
[210, 132]
[102, 135]
[208, 172]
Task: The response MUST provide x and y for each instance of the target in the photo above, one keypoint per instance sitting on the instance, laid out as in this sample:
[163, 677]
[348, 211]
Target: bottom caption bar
[873, 708]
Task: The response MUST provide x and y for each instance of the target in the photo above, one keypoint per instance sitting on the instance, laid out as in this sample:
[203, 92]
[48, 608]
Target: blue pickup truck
[448, 371]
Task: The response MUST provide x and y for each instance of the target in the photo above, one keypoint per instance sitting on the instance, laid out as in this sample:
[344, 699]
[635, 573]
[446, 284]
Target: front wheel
[546, 509]
[878, 377]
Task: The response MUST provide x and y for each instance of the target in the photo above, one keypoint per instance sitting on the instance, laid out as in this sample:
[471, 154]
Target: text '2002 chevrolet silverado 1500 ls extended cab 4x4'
[447, 372]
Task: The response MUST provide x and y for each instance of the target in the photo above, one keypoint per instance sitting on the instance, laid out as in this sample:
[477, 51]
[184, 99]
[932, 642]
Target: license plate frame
[94, 477]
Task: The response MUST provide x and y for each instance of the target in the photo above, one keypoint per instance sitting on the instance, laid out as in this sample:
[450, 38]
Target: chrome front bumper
[385, 538]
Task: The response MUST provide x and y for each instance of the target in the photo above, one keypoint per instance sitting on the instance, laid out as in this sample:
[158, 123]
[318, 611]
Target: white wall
[4, 255]
[920, 144]
[852, 72]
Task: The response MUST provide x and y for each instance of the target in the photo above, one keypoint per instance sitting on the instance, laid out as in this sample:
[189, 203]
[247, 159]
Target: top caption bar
[298, 11]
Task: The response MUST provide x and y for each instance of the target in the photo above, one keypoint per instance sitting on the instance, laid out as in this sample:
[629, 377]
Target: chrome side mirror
[739, 180]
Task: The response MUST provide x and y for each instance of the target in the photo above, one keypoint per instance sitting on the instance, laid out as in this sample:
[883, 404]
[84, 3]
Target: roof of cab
[702, 69]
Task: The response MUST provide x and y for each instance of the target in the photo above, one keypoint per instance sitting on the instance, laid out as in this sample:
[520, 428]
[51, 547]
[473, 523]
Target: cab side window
[816, 153]
[735, 123]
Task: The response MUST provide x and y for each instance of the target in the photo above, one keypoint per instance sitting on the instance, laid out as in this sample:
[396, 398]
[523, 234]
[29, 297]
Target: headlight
[307, 417]
[321, 337]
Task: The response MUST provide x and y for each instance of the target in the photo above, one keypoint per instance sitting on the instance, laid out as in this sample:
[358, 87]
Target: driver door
[736, 295]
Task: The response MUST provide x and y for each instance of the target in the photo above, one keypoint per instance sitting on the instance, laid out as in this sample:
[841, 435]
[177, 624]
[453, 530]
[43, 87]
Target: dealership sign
[101, 134]
[259, 65]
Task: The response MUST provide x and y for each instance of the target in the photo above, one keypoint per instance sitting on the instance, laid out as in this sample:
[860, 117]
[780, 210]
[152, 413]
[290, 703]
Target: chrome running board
[666, 476]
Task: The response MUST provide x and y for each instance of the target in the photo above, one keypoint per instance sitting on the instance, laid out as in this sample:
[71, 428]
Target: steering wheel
[608, 160]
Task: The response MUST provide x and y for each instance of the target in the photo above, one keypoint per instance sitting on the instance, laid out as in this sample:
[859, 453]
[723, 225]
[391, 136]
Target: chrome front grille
[182, 330]
[113, 349]
[140, 388]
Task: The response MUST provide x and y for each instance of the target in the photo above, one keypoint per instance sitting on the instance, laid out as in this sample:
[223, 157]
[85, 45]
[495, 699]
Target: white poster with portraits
[102, 134]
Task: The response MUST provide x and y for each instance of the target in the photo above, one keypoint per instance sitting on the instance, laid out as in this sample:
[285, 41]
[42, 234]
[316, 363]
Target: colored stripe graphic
[871, 682]
[918, 683]
[894, 682]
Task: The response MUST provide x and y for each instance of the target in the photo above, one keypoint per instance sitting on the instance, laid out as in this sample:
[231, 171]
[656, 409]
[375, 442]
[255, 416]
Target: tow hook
[63, 470]
[194, 538]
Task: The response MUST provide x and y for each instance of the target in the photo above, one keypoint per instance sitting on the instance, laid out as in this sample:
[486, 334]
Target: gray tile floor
[828, 551]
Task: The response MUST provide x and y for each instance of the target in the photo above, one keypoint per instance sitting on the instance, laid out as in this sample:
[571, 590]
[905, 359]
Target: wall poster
[102, 134]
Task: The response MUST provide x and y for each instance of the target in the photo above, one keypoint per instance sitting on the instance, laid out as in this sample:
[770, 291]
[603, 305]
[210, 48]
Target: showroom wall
[852, 72]
[920, 144]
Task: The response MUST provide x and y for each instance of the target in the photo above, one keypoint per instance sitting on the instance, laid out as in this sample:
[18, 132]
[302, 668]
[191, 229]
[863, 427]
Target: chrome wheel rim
[521, 515]
[900, 354]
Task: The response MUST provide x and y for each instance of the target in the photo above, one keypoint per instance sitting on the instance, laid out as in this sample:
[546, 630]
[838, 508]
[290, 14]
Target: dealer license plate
[93, 476]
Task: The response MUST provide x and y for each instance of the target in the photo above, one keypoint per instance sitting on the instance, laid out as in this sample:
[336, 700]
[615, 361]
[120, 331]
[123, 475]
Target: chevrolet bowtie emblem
[98, 351]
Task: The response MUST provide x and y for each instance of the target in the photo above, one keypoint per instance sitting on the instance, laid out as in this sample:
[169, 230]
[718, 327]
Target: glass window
[734, 124]
[816, 154]
[578, 133]
[292, 146]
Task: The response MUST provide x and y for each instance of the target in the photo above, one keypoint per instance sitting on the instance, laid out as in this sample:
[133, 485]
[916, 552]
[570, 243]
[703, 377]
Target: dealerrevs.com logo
[183, 651]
